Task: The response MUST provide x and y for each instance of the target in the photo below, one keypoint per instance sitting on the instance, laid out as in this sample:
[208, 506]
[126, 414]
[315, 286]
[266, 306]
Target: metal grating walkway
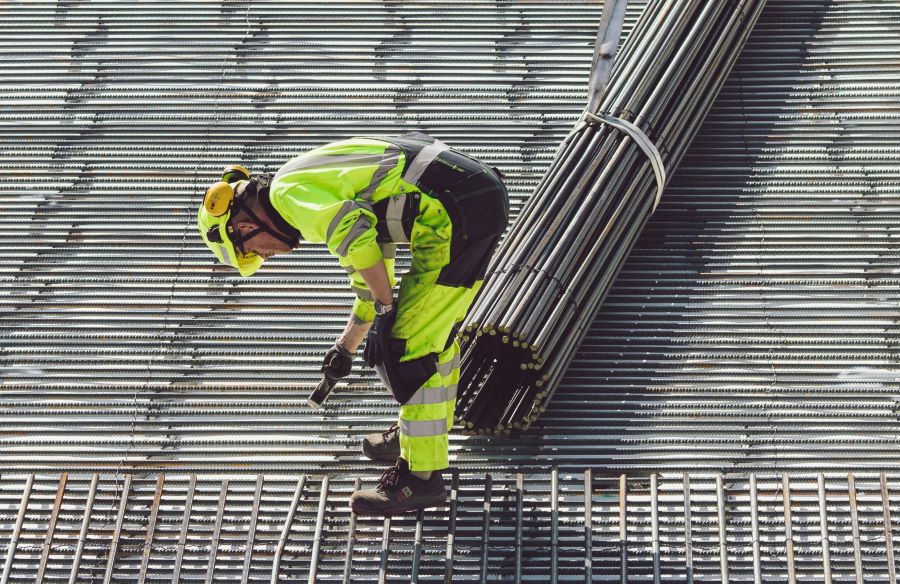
[539, 527]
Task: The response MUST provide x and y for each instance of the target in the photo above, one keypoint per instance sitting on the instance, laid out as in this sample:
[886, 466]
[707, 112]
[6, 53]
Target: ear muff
[234, 173]
[218, 198]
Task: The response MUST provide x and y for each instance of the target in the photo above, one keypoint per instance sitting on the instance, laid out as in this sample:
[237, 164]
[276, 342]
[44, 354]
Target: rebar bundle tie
[550, 276]
[643, 142]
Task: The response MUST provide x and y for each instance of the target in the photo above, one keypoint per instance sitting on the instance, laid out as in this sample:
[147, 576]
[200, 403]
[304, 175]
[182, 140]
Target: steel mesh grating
[530, 526]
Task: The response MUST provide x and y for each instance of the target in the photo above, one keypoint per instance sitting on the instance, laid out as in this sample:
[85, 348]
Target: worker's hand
[375, 352]
[337, 363]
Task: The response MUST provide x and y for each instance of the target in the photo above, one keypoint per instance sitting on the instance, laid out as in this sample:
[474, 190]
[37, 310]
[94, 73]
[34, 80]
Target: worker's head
[235, 224]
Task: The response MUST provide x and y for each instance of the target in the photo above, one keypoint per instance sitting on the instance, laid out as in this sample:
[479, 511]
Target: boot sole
[363, 510]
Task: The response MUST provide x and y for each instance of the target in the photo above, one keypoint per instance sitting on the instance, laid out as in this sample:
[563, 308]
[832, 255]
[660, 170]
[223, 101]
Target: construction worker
[361, 197]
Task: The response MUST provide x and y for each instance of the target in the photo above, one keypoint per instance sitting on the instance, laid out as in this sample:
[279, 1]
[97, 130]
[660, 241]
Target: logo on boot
[404, 494]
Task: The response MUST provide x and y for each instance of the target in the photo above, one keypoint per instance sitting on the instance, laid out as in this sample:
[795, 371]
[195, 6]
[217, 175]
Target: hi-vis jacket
[357, 195]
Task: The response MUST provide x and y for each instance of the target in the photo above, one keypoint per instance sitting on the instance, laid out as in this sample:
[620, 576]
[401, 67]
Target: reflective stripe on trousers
[426, 419]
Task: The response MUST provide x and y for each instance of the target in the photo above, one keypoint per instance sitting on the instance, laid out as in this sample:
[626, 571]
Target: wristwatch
[382, 309]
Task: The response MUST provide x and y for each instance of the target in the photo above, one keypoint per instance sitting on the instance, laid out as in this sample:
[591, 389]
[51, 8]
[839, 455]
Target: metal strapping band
[433, 395]
[643, 142]
[393, 218]
[423, 428]
[447, 368]
[359, 227]
[387, 162]
[422, 160]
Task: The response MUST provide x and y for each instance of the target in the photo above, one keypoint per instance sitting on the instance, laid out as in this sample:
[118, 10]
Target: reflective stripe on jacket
[328, 195]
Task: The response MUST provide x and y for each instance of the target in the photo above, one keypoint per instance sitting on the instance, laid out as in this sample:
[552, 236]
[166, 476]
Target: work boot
[383, 446]
[398, 491]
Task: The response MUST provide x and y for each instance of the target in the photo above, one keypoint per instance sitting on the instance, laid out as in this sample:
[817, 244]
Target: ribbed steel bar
[588, 527]
[451, 528]
[385, 551]
[520, 496]
[888, 530]
[183, 534]
[251, 532]
[147, 550]
[723, 530]
[823, 526]
[85, 526]
[318, 536]
[17, 531]
[854, 526]
[554, 523]
[117, 530]
[286, 529]
[417, 547]
[688, 535]
[486, 529]
[654, 526]
[560, 257]
[351, 541]
[51, 528]
[788, 529]
[623, 528]
[217, 530]
[754, 530]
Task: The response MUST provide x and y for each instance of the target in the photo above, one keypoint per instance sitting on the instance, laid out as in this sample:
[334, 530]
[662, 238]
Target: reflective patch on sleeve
[345, 208]
[363, 293]
[361, 225]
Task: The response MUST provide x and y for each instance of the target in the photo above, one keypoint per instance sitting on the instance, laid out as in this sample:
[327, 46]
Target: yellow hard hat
[212, 221]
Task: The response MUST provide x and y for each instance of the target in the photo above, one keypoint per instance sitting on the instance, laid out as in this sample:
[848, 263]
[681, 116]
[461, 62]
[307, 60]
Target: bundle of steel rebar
[550, 275]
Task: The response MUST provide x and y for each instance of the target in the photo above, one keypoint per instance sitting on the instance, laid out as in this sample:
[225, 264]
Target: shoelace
[389, 479]
[395, 427]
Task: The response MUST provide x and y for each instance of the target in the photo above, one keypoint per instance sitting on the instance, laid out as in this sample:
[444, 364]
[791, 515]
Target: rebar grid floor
[534, 526]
